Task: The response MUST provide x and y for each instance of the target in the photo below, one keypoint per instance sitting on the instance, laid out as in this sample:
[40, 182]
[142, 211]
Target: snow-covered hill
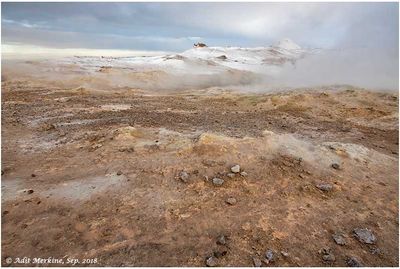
[200, 60]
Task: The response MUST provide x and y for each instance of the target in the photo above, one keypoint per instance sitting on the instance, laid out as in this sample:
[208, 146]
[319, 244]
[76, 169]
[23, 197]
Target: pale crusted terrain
[104, 170]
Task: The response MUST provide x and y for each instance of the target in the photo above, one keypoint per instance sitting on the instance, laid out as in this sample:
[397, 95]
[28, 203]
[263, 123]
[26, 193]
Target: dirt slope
[104, 170]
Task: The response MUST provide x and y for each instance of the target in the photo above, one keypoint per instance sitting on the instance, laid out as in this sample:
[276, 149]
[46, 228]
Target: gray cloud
[176, 26]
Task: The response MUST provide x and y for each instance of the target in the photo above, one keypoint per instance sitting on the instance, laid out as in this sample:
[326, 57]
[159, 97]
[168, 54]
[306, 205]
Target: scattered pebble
[339, 239]
[353, 262]
[217, 181]
[257, 262]
[119, 173]
[269, 255]
[364, 235]
[33, 175]
[324, 186]
[329, 257]
[221, 240]
[231, 201]
[184, 176]
[29, 191]
[235, 169]
[211, 261]
[284, 254]
[335, 166]
[243, 174]
[230, 175]
[374, 250]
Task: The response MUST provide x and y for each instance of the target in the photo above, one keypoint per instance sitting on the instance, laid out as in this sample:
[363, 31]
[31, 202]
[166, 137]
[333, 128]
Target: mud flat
[127, 176]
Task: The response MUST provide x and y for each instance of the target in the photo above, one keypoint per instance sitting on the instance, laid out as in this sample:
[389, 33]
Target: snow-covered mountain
[201, 60]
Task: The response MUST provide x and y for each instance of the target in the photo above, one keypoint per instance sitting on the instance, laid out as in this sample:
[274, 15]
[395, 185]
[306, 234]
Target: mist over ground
[368, 68]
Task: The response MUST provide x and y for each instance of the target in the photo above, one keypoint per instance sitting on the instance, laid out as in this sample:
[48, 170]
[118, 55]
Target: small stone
[269, 255]
[211, 261]
[284, 254]
[243, 174]
[353, 262]
[364, 235]
[217, 181]
[221, 240]
[29, 191]
[230, 175]
[329, 257]
[374, 250]
[339, 239]
[33, 175]
[184, 176]
[231, 201]
[324, 186]
[257, 262]
[235, 169]
[119, 173]
[335, 166]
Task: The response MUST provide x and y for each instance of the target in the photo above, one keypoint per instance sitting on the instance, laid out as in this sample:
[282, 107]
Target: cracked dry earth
[94, 174]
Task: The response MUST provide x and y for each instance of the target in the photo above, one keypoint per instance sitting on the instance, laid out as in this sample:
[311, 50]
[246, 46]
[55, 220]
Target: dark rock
[353, 262]
[324, 186]
[29, 191]
[199, 45]
[211, 261]
[364, 235]
[33, 175]
[339, 239]
[119, 173]
[335, 166]
[222, 57]
[269, 255]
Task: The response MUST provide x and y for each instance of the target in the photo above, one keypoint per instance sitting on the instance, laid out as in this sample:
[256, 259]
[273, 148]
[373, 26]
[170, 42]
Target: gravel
[211, 261]
[324, 186]
[235, 168]
[353, 262]
[231, 201]
[364, 235]
[184, 176]
[217, 181]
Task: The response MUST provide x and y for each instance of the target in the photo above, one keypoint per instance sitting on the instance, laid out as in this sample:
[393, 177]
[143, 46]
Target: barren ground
[104, 166]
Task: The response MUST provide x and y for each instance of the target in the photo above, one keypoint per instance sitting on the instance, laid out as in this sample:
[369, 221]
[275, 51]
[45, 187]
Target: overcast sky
[176, 26]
